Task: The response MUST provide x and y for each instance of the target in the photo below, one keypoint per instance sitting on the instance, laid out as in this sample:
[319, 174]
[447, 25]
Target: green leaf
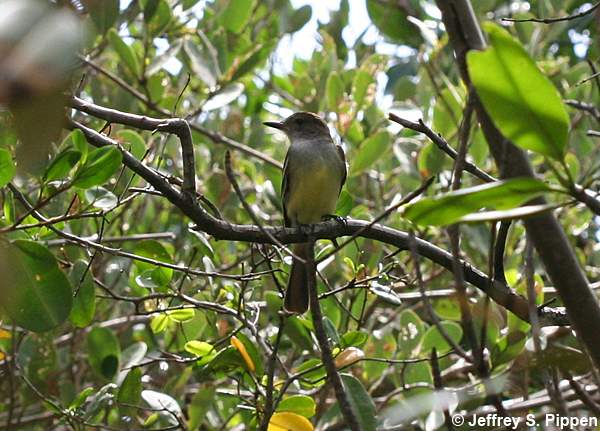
[370, 151]
[252, 62]
[508, 347]
[299, 19]
[521, 101]
[159, 323]
[186, 4]
[166, 405]
[104, 13]
[150, 7]
[318, 372]
[130, 393]
[154, 250]
[360, 85]
[419, 372]
[511, 214]
[345, 204]
[8, 206]
[162, 59]
[236, 14]
[433, 337]
[299, 404]
[181, 315]
[36, 295]
[101, 399]
[224, 97]
[200, 405]
[391, 20]
[132, 355]
[447, 111]
[161, 19]
[353, 338]
[39, 121]
[103, 352]
[7, 167]
[133, 141]
[573, 165]
[100, 165]
[62, 164]
[203, 242]
[77, 139]
[431, 160]
[355, 133]
[330, 330]
[199, 348]
[101, 198]
[411, 332]
[334, 89]
[84, 301]
[361, 402]
[81, 398]
[201, 62]
[126, 52]
[451, 207]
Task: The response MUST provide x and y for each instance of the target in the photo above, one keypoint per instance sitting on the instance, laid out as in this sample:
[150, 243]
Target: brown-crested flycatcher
[313, 175]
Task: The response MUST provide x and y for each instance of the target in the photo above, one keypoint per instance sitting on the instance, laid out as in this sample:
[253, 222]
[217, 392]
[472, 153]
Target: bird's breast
[313, 193]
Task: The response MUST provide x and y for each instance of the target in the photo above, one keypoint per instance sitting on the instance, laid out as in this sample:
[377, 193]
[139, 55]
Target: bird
[314, 172]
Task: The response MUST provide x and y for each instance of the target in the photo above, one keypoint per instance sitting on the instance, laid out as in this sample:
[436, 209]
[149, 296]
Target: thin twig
[442, 144]
[216, 137]
[332, 373]
[582, 394]
[433, 317]
[437, 383]
[553, 20]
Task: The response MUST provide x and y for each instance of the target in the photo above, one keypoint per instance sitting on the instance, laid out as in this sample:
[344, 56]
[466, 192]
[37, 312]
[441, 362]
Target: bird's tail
[296, 296]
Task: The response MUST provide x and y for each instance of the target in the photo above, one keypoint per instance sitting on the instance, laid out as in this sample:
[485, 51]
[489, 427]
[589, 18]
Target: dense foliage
[119, 312]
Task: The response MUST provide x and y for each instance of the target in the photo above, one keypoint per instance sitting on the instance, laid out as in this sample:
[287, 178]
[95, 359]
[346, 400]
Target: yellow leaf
[286, 421]
[2, 355]
[235, 342]
[4, 334]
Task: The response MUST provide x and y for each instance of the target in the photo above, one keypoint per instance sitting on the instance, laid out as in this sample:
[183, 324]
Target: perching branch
[224, 230]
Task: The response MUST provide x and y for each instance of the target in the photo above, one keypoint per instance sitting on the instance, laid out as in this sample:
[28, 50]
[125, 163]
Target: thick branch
[176, 126]
[548, 236]
[221, 229]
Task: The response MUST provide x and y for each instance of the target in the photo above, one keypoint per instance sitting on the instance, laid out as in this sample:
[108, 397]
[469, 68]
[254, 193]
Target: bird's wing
[285, 188]
[342, 155]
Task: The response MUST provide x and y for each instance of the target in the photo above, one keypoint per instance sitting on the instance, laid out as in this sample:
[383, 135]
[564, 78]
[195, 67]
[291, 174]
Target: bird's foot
[342, 220]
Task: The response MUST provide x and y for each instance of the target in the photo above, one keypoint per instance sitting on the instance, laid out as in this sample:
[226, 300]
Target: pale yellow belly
[314, 194]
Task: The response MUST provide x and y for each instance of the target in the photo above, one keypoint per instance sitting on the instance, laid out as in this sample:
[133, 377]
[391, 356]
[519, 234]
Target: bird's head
[301, 125]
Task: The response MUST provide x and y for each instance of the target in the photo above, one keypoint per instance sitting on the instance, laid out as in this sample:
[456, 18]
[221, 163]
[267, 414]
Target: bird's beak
[274, 124]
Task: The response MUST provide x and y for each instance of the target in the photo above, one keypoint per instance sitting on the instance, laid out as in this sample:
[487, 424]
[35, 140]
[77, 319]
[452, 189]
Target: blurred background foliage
[88, 339]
